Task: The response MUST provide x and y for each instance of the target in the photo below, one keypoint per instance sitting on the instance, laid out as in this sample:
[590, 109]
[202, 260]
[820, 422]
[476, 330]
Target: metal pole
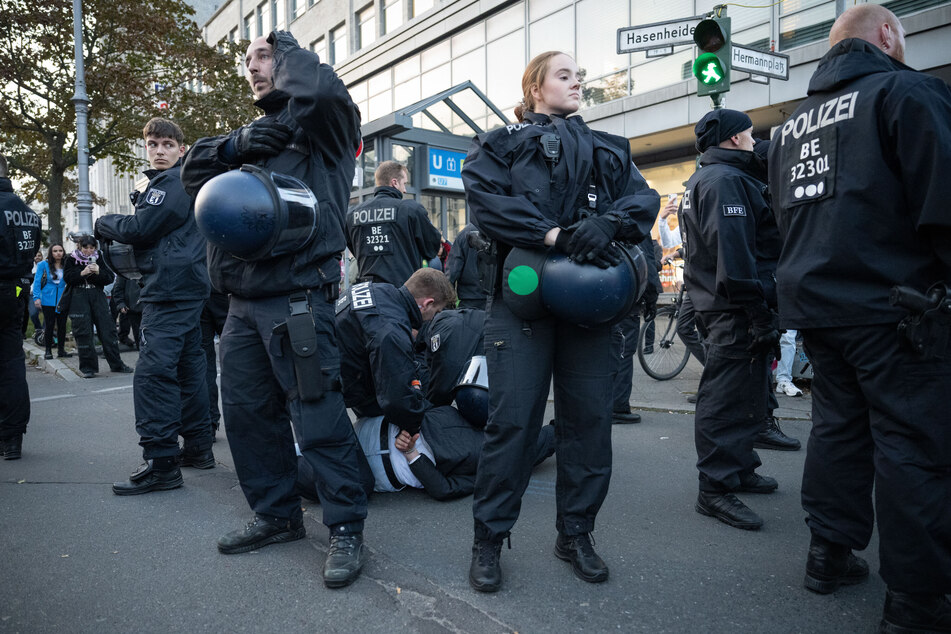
[80, 99]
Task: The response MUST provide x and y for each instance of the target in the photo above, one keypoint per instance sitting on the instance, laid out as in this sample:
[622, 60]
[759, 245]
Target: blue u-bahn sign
[444, 169]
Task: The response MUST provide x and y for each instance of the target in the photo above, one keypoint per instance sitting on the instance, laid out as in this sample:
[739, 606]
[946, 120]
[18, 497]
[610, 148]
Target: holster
[487, 261]
[927, 331]
[305, 353]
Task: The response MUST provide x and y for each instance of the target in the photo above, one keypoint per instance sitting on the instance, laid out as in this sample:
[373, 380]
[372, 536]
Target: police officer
[860, 190]
[389, 236]
[463, 271]
[168, 389]
[311, 131]
[375, 329]
[731, 257]
[549, 181]
[19, 240]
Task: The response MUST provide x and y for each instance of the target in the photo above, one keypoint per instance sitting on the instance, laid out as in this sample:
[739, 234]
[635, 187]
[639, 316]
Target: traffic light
[712, 67]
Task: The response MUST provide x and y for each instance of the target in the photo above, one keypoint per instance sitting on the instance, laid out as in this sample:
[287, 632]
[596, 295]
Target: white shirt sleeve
[669, 238]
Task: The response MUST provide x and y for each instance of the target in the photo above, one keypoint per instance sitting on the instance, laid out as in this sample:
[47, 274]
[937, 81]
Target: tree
[136, 55]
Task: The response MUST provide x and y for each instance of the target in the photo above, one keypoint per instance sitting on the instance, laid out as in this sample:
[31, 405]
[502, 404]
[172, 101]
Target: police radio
[551, 146]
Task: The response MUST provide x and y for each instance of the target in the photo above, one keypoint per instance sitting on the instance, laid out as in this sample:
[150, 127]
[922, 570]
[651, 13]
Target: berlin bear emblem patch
[434, 342]
[154, 196]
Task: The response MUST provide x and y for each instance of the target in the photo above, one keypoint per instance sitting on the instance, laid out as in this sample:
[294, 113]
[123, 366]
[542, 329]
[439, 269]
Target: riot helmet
[472, 392]
[255, 214]
[120, 257]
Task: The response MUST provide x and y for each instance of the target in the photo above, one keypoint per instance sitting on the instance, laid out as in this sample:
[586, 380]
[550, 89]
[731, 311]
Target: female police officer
[549, 181]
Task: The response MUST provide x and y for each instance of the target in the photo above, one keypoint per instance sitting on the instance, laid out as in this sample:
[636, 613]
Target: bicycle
[668, 355]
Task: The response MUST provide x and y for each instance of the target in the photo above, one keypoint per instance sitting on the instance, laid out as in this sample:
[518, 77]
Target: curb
[34, 355]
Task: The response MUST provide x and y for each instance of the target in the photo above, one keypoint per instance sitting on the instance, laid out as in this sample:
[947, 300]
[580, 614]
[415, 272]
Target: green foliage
[128, 48]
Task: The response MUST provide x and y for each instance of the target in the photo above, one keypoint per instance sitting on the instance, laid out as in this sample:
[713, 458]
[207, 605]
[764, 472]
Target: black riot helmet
[120, 257]
[254, 214]
[472, 392]
[538, 283]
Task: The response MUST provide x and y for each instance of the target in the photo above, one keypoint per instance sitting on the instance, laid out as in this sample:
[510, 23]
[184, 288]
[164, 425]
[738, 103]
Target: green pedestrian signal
[712, 67]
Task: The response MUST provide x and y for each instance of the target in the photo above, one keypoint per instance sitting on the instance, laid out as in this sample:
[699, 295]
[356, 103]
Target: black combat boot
[915, 613]
[157, 474]
[830, 565]
[485, 573]
[11, 448]
[772, 437]
[197, 459]
[345, 559]
[727, 508]
[260, 533]
[579, 551]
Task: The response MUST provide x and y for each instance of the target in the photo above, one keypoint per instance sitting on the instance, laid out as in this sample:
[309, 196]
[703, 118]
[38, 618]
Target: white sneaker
[787, 388]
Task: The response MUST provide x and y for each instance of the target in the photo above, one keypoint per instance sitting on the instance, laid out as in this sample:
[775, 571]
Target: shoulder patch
[686, 200]
[342, 302]
[434, 342]
[734, 210]
[154, 196]
[361, 296]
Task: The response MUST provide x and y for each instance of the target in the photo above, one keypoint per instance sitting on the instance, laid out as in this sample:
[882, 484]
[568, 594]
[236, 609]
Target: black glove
[282, 41]
[649, 298]
[563, 240]
[260, 139]
[592, 236]
[607, 257]
[765, 331]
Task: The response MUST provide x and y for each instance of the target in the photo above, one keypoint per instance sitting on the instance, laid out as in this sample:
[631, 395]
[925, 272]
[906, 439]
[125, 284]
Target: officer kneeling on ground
[169, 391]
[866, 156]
[279, 359]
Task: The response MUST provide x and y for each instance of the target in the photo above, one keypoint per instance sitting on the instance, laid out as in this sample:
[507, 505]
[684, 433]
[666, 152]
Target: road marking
[51, 398]
[112, 389]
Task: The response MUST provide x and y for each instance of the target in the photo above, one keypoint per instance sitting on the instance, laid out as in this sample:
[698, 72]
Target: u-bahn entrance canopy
[431, 138]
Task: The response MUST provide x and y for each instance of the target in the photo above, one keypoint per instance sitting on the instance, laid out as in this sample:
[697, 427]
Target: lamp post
[83, 197]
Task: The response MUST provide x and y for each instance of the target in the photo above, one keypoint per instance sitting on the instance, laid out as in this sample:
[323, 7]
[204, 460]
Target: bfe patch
[734, 210]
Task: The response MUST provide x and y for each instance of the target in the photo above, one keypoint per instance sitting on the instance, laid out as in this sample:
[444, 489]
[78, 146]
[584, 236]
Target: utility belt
[299, 333]
[927, 331]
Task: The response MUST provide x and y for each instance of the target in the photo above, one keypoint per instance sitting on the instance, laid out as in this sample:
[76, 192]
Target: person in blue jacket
[48, 288]
[549, 181]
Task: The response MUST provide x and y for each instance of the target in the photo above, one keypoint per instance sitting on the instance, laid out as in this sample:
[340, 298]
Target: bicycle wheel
[668, 355]
[39, 336]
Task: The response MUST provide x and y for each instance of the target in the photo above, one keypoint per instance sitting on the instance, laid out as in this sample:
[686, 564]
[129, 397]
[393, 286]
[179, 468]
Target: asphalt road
[76, 558]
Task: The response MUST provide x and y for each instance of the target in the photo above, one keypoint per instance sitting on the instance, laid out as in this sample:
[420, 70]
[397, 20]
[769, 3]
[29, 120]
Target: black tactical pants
[731, 402]
[212, 322]
[624, 347]
[260, 401]
[169, 391]
[15, 402]
[87, 308]
[880, 416]
[687, 329]
[522, 359]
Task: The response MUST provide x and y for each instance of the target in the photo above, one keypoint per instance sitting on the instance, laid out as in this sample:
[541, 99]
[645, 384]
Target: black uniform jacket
[19, 234]
[516, 195]
[377, 367]
[390, 237]
[169, 249]
[463, 267]
[859, 183]
[310, 98]
[734, 244]
[73, 273]
[456, 447]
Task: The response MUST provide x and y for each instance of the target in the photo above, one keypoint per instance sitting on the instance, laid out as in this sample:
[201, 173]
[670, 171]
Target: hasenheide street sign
[658, 35]
[756, 62]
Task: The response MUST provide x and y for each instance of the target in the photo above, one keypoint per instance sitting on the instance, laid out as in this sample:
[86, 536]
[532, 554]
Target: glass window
[296, 8]
[433, 205]
[792, 6]
[233, 35]
[420, 6]
[366, 26]
[434, 56]
[468, 39]
[264, 18]
[404, 154]
[246, 26]
[392, 15]
[597, 48]
[358, 92]
[277, 15]
[554, 33]
[406, 69]
[806, 26]
[605, 89]
[505, 22]
[470, 66]
[436, 80]
[506, 56]
[319, 46]
[660, 72]
[380, 105]
[380, 82]
[541, 8]
[407, 93]
[338, 44]
[650, 11]
[369, 163]
[455, 217]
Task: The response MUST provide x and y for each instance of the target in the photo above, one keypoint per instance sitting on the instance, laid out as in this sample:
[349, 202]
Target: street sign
[759, 79]
[658, 35]
[757, 62]
[659, 52]
[444, 169]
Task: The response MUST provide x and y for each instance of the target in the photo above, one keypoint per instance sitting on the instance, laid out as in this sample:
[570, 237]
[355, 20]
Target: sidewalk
[68, 369]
